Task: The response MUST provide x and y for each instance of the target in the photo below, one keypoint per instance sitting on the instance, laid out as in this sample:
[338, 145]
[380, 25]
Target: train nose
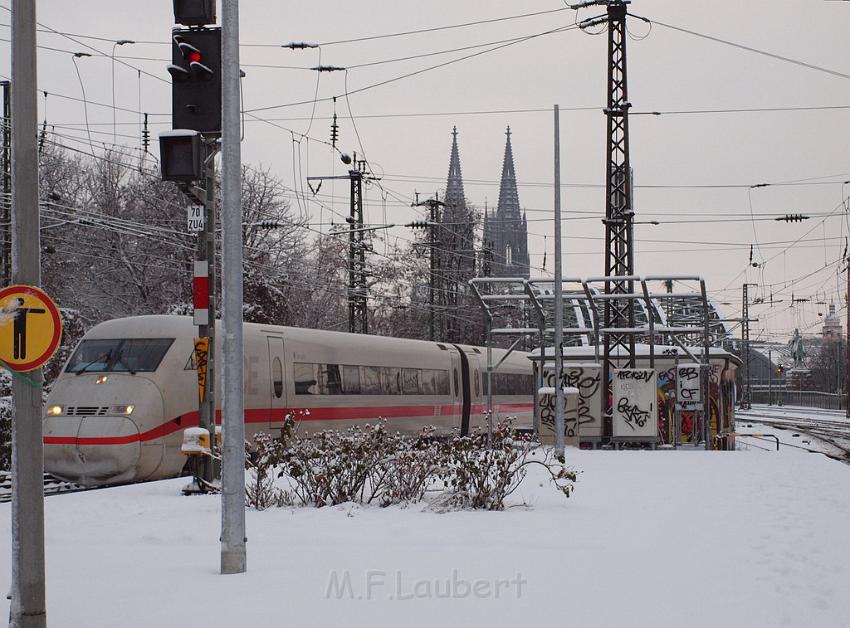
[91, 450]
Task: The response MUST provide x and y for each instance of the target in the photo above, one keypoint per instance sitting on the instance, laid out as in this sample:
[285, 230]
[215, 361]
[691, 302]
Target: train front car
[107, 415]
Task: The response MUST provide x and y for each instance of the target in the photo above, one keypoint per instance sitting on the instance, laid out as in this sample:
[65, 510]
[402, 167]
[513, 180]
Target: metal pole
[746, 402]
[206, 252]
[6, 215]
[847, 340]
[490, 409]
[432, 277]
[28, 606]
[559, 303]
[677, 413]
[352, 225]
[770, 377]
[233, 554]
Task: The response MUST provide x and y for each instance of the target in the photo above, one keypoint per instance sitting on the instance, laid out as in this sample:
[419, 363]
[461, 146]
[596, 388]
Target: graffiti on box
[634, 394]
[583, 419]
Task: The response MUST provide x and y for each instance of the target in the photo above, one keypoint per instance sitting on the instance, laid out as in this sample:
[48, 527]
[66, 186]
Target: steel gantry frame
[693, 335]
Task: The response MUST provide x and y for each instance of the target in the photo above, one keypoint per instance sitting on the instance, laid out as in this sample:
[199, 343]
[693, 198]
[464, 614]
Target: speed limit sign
[195, 218]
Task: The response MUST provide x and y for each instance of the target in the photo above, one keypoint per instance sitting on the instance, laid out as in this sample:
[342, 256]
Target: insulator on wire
[42, 136]
[334, 132]
[146, 135]
[792, 218]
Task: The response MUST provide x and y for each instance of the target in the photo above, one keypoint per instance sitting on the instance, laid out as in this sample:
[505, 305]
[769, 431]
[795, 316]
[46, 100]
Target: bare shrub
[261, 462]
[332, 466]
[368, 464]
[479, 475]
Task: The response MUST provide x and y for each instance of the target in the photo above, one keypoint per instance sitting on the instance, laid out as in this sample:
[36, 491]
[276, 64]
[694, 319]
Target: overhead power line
[758, 51]
[432, 29]
[407, 75]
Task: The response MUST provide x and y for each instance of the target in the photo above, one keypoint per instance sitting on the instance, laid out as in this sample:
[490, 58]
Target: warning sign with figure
[30, 327]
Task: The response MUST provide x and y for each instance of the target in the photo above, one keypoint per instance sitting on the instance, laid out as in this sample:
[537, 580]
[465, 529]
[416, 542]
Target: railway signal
[195, 70]
[188, 157]
[180, 155]
[194, 12]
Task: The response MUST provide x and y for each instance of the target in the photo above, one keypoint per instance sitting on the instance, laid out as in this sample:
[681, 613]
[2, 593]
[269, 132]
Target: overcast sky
[688, 167]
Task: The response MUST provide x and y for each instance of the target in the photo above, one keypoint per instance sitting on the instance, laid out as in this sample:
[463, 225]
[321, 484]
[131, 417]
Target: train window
[391, 380]
[443, 383]
[351, 380]
[330, 382]
[410, 381]
[277, 377]
[305, 378]
[508, 384]
[125, 355]
[429, 382]
[457, 387]
[475, 377]
[92, 355]
[370, 380]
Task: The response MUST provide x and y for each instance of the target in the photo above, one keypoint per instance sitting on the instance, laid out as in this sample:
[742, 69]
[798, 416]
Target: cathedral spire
[508, 207]
[509, 224]
[455, 199]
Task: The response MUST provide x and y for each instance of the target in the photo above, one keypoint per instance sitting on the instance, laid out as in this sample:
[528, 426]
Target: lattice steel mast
[619, 317]
[358, 313]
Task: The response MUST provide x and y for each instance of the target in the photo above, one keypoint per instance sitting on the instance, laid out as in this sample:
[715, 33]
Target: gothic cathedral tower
[456, 254]
[506, 231]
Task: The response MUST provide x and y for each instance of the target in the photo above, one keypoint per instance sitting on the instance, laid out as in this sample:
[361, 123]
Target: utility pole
[205, 317]
[746, 398]
[487, 271]
[358, 313]
[28, 606]
[559, 303]
[436, 289]
[619, 316]
[847, 343]
[6, 212]
[770, 377]
[233, 537]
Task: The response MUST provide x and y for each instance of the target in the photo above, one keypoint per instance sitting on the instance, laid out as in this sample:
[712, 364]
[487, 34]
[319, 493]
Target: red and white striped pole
[201, 290]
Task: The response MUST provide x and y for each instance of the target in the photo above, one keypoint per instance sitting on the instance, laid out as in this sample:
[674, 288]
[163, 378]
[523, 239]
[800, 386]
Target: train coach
[118, 410]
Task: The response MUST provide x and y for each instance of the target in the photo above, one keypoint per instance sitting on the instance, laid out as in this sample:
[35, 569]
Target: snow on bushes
[370, 465]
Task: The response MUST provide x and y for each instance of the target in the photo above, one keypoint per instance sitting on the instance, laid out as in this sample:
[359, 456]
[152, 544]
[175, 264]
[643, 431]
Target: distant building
[506, 231]
[832, 325]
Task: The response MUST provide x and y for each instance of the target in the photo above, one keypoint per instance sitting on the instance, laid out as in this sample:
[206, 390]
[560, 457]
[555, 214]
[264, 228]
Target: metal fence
[805, 398]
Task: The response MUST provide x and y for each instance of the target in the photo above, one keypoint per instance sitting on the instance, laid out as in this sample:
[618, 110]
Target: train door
[463, 387]
[276, 390]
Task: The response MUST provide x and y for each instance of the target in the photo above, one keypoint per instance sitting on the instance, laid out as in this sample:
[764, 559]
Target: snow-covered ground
[661, 539]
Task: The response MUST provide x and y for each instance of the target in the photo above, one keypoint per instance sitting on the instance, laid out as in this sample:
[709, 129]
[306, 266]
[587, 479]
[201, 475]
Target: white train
[117, 412]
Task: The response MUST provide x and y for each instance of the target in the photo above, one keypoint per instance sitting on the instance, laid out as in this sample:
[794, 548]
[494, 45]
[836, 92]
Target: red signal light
[194, 56]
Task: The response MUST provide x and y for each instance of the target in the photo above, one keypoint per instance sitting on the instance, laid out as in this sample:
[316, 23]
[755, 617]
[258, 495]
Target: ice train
[117, 412]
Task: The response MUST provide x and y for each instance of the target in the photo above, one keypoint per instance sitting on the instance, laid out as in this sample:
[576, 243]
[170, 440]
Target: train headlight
[101, 379]
[54, 410]
[125, 409]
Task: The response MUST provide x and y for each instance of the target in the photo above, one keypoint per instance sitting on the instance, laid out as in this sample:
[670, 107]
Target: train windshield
[130, 355]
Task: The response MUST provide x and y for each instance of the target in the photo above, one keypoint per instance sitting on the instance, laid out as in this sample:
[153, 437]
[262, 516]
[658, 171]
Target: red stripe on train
[274, 415]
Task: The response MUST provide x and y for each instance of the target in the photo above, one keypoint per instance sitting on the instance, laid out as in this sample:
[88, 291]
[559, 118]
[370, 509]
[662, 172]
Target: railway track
[833, 430]
[52, 486]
